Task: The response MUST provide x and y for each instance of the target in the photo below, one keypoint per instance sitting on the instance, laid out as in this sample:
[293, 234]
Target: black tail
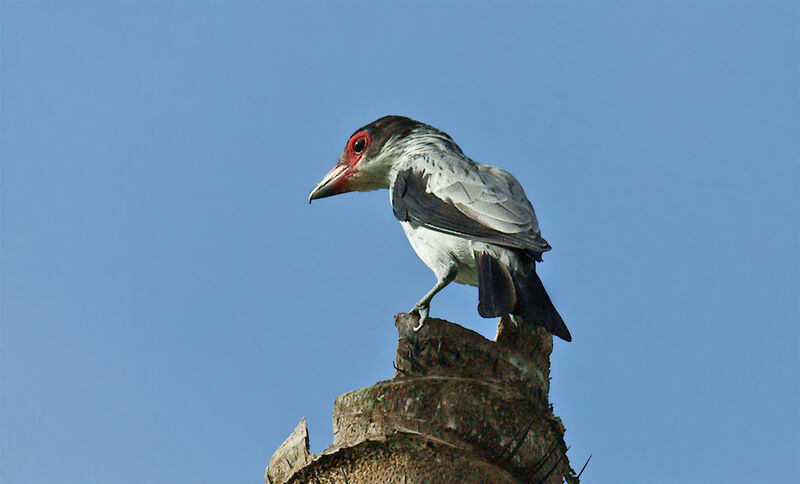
[520, 293]
[496, 294]
[534, 305]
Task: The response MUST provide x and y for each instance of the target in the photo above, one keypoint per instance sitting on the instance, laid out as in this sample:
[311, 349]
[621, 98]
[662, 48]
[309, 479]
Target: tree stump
[459, 409]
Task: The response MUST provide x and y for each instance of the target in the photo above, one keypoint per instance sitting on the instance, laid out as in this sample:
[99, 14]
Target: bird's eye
[359, 145]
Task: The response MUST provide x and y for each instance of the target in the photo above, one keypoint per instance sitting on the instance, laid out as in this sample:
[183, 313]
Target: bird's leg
[424, 304]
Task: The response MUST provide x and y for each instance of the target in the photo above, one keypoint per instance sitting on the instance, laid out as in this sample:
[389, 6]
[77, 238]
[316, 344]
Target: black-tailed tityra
[470, 223]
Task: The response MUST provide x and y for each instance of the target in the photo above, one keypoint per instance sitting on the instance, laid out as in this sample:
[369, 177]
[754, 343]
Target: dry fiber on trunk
[459, 409]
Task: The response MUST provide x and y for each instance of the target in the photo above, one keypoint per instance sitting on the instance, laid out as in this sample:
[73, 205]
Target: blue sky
[171, 305]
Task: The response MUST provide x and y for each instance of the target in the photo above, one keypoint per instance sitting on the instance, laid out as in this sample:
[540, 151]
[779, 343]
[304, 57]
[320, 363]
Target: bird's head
[368, 157]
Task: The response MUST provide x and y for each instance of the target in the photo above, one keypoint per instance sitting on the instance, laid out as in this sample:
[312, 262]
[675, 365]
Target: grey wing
[475, 201]
[501, 204]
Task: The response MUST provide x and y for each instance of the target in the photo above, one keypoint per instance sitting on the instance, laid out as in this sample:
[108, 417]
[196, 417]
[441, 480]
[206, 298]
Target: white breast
[439, 250]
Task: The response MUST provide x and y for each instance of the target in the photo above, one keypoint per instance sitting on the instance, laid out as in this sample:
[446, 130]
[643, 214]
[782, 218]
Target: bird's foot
[422, 310]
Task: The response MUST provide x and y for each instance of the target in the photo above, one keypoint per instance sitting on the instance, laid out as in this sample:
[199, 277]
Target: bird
[470, 223]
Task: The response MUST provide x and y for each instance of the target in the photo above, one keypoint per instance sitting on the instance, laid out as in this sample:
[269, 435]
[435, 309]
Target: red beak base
[332, 184]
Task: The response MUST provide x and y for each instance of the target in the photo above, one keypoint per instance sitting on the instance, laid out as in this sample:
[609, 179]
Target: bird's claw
[423, 316]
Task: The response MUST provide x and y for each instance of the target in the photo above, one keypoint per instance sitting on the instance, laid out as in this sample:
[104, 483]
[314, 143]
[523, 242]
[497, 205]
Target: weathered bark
[459, 409]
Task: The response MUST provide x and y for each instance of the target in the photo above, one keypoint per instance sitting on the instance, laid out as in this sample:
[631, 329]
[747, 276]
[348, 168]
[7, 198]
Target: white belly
[439, 251]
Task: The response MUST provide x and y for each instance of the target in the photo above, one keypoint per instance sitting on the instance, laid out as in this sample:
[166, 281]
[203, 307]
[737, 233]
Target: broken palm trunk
[459, 409]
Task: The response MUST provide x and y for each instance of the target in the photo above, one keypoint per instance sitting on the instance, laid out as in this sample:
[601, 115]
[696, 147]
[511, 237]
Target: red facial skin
[350, 160]
[353, 157]
[344, 177]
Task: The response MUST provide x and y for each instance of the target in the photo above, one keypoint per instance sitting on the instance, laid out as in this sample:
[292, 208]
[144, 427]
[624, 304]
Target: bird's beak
[331, 185]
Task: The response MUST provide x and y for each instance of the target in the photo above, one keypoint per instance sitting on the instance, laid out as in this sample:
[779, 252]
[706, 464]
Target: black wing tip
[557, 327]
[562, 332]
[536, 307]
[553, 325]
